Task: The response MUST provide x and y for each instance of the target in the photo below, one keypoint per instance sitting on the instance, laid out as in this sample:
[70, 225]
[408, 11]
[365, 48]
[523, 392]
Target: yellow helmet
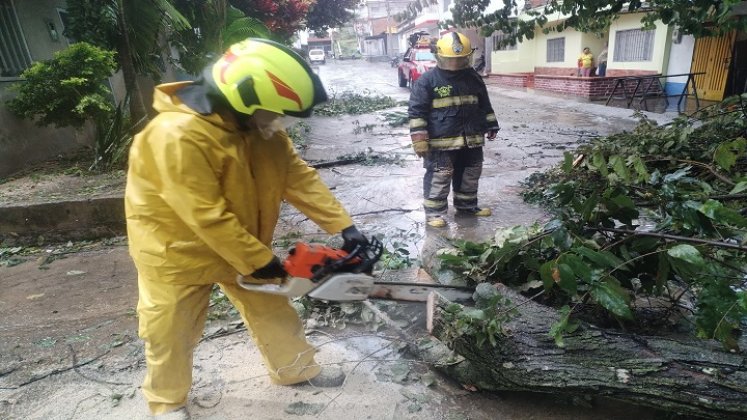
[453, 45]
[262, 74]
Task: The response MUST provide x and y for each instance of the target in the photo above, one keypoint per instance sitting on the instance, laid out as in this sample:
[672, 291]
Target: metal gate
[712, 56]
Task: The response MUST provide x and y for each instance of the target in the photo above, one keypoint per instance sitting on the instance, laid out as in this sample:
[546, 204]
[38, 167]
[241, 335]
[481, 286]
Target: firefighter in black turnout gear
[450, 115]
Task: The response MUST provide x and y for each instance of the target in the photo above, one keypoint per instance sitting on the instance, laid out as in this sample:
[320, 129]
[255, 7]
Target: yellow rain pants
[172, 317]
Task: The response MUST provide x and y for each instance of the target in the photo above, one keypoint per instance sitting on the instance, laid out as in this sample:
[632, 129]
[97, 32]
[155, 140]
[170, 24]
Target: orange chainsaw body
[306, 260]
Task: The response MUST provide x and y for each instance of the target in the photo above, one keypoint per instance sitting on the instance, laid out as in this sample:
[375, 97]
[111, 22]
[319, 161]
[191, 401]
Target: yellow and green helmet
[262, 74]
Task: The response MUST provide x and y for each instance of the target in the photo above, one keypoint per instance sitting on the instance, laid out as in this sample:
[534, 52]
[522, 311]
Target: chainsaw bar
[418, 292]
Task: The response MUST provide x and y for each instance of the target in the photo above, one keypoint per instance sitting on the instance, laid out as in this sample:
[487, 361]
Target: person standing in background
[602, 59]
[586, 62]
[450, 116]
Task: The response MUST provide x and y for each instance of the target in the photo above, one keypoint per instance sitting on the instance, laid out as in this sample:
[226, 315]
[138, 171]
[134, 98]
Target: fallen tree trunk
[688, 376]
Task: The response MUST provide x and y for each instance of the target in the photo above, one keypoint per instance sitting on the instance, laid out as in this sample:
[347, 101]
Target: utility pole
[387, 45]
[331, 31]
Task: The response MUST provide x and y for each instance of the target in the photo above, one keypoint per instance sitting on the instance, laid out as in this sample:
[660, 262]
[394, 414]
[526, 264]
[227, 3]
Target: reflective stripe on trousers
[458, 169]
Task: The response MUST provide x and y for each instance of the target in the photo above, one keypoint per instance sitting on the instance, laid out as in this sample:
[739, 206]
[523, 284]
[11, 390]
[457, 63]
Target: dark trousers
[602, 70]
[459, 170]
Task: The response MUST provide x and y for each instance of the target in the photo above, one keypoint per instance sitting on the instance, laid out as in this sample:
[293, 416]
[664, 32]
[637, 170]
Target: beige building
[710, 66]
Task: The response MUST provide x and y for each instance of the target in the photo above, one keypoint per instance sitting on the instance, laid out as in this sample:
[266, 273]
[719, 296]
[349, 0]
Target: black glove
[352, 237]
[273, 270]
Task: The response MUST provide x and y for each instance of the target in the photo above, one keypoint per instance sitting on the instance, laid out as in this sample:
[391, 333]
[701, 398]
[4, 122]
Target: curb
[62, 221]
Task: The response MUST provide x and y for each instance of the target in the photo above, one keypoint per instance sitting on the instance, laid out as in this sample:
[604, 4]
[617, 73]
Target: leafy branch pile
[354, 104]
[653, 214]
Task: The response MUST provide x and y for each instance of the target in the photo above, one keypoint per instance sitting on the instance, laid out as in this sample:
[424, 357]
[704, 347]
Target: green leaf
[742, 299]
[686, 253]
[567, 279]
[564, 325]
[618, 165]
[546, 274]
[716, 211]
[600, 163]
[622, 208]
[644, 244]
[741, 186]
[640, 169]
[562, 239]
[475, 314]
[567, 162]
[601, 258]
[710, 207]
[587, 210]
[609, 294]
[578, 266]
[726, 154]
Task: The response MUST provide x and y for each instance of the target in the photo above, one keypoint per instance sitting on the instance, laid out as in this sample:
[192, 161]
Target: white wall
[520, 60]
[574, 44]
[373, 47]
[661, 45]
[680, 58]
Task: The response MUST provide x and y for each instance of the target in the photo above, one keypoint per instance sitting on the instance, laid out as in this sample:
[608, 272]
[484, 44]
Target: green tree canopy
[696, 17]
[215, 25]
[325, 14]
[142, 22]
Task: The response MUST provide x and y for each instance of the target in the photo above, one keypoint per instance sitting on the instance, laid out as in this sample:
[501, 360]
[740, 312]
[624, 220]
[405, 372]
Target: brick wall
[585, 87]
[520, 80]
[623, 73]
[571, 71]
[556, 71]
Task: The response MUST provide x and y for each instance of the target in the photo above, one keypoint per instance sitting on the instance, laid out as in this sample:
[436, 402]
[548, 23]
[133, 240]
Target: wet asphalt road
[385, 197]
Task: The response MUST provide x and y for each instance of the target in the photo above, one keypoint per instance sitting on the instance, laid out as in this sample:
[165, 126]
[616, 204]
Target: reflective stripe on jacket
[452, 108]
[203, 197]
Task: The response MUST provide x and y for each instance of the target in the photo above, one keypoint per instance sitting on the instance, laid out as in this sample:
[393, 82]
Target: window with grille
[555, 50]
[500, 42]
[634, 45]
[14, 55]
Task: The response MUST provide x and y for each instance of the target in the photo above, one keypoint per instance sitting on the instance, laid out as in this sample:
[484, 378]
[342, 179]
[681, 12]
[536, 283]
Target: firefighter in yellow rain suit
[205, 183]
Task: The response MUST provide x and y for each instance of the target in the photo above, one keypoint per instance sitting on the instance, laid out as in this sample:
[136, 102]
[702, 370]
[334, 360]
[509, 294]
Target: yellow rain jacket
[203, 197]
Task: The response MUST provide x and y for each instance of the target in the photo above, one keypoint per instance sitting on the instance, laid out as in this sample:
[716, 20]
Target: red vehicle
[416, 61]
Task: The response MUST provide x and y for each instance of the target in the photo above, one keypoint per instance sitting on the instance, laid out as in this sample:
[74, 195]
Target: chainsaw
[325, 273]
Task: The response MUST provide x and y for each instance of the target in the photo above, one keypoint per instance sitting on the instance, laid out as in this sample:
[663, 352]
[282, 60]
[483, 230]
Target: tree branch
[674, 238]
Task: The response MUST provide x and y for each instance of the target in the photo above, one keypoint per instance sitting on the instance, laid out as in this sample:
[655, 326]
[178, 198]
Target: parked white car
[317, 56]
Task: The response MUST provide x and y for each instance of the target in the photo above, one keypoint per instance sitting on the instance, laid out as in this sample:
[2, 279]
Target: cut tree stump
[683, 375]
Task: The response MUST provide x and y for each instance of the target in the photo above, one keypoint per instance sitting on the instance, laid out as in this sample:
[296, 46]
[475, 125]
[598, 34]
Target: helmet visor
[453, 63]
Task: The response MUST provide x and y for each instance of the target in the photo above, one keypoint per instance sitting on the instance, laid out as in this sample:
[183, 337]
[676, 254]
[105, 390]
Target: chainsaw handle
[291, 287]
